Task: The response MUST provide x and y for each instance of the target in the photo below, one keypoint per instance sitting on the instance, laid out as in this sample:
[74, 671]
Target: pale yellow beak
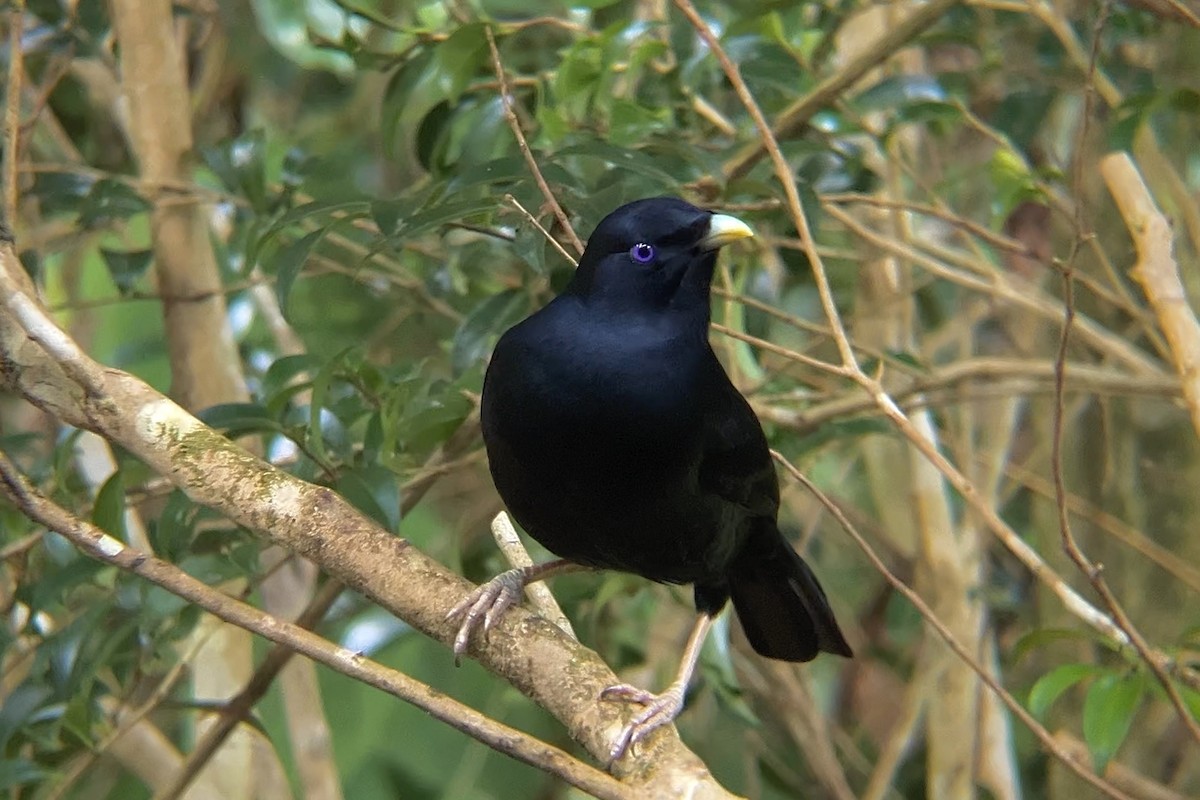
[723, 229]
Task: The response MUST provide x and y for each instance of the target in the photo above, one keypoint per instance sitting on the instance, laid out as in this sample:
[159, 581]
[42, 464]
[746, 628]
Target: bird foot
[660, 709]
[488, 602]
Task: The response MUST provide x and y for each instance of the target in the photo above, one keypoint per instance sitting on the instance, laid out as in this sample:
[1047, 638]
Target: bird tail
[781, 605]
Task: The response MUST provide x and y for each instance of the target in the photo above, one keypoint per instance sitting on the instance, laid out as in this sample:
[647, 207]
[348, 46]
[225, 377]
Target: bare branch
[517, 556]
[1044, 736]
[798, 113]
[12, 111]
[98, 544]
[1157, 272]
[530, 652]
[506, 100]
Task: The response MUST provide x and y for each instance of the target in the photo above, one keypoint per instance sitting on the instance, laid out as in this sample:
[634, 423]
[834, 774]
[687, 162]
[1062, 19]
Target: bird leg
[660, 709]
[490, 600]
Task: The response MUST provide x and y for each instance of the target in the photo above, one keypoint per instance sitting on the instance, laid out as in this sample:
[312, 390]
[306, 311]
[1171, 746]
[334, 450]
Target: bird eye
[642, 253]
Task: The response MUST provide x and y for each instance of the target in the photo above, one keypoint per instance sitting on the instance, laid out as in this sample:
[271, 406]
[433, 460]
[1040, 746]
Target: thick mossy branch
[536, 657]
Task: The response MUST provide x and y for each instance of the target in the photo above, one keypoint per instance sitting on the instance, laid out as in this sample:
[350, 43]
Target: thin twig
[1017, 375]
[1043, 735]
[506, 100]
[99, 545]
[538, 592]
[1010, 291]
[1145, 144]
[1112, 525]
[515, 203]
[1092, 571]
[21, 546]
[12, 109]
[1071, 599]
[905, 728]
[872, 55]
[783, 171]
[240, 705]
[1121, 776]
[771, 347]
[126, 719]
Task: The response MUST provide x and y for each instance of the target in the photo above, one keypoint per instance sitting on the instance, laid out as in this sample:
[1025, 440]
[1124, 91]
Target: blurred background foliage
[356, 160]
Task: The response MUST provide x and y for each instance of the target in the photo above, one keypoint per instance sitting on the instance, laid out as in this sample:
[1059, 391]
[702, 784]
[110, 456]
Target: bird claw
[660, 709]
[489, 600]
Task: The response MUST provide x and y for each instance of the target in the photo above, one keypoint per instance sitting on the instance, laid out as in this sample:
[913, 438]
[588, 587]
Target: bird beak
[723, 229]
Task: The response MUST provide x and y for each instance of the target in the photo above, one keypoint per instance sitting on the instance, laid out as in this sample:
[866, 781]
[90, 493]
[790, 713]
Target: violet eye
[642, 253]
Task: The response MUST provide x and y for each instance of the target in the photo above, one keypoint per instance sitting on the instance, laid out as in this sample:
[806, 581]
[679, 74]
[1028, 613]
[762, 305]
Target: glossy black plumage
[616, 439]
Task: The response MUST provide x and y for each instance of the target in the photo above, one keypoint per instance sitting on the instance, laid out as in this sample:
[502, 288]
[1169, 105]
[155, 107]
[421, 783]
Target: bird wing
[735, 462]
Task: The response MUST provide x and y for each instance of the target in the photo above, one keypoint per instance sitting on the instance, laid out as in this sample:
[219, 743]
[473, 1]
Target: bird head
[654, 253]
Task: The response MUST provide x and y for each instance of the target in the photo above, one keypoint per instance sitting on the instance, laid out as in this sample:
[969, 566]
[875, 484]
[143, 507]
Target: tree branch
[1157, 272]
[800, 112]
[99, 545]
[539, 660]
[1044, 736]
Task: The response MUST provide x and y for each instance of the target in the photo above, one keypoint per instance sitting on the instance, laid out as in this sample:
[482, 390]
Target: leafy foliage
[358, 164]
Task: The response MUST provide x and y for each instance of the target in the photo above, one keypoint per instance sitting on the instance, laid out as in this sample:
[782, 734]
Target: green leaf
[373, 490]
[19, 772]
[290, 260]
[159, 604]
[1185, 100]
[85, 647]
[623, 157]
[1046, 636]
[126, 268]
[941, 116]
[895, 93]
[612, 586]
[61, 192]
[1108, 712]
[1015, 182]
[241, 165]
[578, 77]
[286, 25]
[531, 245]
[110, 200]
[459, 58]
[279, 377]
[236, 419]
[471, 342]
[509, 170]
[52, 590]
[409, 96]
[853, 428]
[431, 420]
[19, 706]
[387, 214]
[318, 417]
[210, 568]
[440, 214]
[175, 526]
[108, 512]
[1051, 686]
[1021, 115]
[909, 359]
[345, 211]
[50, 12]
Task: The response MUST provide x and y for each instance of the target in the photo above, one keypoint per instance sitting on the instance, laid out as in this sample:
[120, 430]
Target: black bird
[616, 439]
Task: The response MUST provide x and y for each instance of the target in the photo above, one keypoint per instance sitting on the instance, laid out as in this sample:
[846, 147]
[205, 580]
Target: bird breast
[574, 389]
[636, 375]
